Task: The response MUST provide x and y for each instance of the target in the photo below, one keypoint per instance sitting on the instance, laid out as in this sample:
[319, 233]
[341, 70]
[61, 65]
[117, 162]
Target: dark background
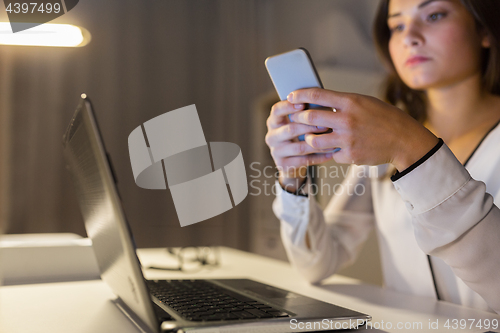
[146, 58]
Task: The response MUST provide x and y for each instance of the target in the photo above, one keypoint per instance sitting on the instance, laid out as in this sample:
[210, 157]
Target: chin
[422, 83]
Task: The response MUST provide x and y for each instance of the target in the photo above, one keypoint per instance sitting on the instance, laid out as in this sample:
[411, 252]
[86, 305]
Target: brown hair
[485, 13]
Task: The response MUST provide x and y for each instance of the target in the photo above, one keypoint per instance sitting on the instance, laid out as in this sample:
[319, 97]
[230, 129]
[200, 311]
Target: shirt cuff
[406, 171]
[302, 190]
[290, 208]
[432, 182]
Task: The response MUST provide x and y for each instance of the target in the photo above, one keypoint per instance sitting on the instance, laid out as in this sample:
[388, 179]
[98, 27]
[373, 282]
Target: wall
[146, 58]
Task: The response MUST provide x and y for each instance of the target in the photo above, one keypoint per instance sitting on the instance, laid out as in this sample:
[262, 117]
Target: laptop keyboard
[198, 300]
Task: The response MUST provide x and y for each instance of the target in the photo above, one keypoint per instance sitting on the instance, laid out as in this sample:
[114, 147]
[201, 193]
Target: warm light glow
[47, 34]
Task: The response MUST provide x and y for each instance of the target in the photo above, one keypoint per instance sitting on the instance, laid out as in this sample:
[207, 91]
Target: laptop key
[266, 309]
[230, 316]
[201, 309]
[220, 310]
[252, 302]
[206, 313]
[244, 315]
[258, 313]
[259, 305]
[181, 308]
[214, 317]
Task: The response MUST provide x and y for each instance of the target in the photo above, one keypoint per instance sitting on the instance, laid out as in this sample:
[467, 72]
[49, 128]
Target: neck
[455, 110]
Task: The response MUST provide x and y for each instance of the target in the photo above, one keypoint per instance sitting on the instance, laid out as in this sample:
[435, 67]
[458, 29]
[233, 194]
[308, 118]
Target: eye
[396, 28]
[435, 17]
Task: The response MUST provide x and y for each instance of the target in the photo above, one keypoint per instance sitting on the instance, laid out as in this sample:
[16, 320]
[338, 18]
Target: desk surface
[85, 306]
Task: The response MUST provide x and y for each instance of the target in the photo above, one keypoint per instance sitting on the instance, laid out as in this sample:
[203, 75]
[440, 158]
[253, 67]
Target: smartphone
[293, 70]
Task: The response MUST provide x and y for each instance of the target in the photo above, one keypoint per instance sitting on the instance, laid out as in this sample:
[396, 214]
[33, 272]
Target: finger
[299, 148]
[293, 130]
[318, 118]
[328, 98]
[329, 150]
[280, 110]
[290, 131]
[324, 142]
[307, 160]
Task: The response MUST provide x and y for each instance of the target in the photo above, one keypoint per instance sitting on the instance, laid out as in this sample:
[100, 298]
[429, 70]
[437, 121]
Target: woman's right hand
[292, 157]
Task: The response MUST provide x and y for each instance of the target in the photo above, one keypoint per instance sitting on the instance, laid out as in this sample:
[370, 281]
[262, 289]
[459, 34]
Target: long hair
[396, 92]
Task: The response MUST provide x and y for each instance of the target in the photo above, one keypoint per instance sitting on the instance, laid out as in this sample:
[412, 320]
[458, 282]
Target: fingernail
[290, 97]
[329, 155]
[321, 128]
[298, 106]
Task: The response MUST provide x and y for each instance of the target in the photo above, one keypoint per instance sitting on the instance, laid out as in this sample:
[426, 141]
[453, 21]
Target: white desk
[85, 306]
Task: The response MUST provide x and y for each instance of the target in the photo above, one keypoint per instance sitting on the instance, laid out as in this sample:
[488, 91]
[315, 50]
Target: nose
[413, 35]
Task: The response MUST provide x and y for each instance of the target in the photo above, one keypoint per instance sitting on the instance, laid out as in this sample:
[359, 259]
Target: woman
[436, 221]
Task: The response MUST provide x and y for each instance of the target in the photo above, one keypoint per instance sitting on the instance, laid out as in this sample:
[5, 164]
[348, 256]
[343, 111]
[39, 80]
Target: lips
[415, 60]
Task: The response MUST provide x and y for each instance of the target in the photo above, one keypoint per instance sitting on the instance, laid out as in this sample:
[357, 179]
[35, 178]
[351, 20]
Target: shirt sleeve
[336, 234]
[398, 174]
[455, 219]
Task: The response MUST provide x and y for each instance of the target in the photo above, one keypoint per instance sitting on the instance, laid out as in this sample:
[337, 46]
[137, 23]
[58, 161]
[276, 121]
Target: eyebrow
[423, 4]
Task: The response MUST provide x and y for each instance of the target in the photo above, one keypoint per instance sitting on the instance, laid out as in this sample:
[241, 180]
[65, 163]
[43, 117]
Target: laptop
[208, 305]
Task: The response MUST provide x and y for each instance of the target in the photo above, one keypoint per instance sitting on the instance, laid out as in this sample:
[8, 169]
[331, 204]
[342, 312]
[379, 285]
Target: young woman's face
[434, 43]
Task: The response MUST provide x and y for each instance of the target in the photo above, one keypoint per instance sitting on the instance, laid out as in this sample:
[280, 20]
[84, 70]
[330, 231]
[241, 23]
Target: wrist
[292, 185]
[410, 151]
[292, 178]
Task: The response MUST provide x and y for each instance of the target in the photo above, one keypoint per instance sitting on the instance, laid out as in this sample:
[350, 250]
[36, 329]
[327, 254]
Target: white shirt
[439, 208]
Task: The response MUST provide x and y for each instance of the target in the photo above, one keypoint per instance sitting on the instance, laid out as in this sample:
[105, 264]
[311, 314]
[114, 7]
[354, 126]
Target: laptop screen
[103, 215]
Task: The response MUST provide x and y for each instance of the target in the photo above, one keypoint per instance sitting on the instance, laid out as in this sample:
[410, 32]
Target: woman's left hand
[368, 131]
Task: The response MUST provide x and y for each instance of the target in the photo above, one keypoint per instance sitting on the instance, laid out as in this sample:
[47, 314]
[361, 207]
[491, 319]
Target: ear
[485, 39]
[486, 42]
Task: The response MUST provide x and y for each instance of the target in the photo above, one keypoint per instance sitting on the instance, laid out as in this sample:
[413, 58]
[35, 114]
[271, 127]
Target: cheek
[395, 53]
[398, 57]
[458, 47]
[448, 42]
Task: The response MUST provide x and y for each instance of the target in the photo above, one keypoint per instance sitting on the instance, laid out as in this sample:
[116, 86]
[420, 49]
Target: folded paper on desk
[39, 258]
